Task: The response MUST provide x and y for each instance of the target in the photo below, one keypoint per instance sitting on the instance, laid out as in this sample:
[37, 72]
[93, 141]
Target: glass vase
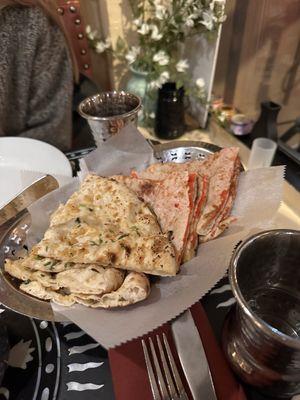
[138, 85]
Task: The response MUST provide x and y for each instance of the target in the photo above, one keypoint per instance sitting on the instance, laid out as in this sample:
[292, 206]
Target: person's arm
[49, 115]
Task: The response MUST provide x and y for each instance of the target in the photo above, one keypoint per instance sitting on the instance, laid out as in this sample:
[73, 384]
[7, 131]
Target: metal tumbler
[108, 112]
[261, 335]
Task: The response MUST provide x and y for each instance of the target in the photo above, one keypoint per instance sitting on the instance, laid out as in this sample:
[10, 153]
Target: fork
[165, 389]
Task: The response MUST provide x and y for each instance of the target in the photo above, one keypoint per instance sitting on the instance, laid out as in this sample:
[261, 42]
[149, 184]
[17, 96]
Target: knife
[192, 357]
[33, 192]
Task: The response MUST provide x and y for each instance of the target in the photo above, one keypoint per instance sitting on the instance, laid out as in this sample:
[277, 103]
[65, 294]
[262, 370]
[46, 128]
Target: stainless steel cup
[261, 335]
[108, 112]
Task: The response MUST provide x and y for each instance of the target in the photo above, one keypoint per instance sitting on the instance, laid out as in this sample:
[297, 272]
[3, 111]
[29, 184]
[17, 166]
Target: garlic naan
[105, 223]
[91, 279]
[135, 288]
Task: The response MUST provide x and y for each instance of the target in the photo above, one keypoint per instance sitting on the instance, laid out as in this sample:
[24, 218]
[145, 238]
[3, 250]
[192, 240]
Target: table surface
[59, 361]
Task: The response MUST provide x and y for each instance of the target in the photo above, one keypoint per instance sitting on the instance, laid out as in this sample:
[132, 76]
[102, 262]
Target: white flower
[218, 3]
[89, 33]
[161, 58]
[160, 11]
[182, 65]
[152, 115]
[208, 20]
[137, 22]
[200, 83]
[131, 56]
[155, 35]
[100, 47]
[144, 29]
[157, 84]
[164, 77]
[189, 23]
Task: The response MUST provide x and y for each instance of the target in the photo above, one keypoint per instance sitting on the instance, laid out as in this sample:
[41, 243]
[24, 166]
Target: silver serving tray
[13, 235]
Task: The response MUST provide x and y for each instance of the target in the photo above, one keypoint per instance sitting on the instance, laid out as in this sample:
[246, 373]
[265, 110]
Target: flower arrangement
[161, 28]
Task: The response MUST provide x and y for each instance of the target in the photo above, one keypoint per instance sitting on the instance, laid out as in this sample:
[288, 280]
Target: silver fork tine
[167, 372]
[153, 384]
[161, 382]
[177, 379]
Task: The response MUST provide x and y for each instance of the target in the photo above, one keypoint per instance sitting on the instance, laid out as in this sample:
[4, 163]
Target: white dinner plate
[19, 155]
[33, 155]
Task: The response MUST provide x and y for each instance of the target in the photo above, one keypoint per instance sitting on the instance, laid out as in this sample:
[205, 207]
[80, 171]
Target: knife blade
[192, 357]
[33, 192]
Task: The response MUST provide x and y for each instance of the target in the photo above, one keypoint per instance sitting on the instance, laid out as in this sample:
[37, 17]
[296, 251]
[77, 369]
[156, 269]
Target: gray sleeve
[49, 113]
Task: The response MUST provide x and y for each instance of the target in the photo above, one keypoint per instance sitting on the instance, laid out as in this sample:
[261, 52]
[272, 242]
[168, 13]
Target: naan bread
[16, 269]
[45, 264]
[91, 279]
[222, 170]
[223, 174]
[105, 223]
[36, 289]
[135, 288]
[172, 200]
[192, 241]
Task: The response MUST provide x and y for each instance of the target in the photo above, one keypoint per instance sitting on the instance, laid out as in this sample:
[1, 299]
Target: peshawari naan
[221, 170]
[105, 223]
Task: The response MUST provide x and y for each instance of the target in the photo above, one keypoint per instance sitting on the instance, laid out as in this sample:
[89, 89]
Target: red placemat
[129, 372]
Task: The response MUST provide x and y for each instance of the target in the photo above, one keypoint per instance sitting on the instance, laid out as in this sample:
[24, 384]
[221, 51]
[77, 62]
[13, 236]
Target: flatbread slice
[224, 219]
[16, 269]
[222, 172]
[105, 223]
[135, 288]
[36, 289]
[45, 264]
[221, 168]
[172, 200]
[192, 241]
[90, 279]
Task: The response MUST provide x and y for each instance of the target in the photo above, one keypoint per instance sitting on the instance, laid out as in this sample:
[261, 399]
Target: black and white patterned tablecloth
[49, 361]
[58, 361]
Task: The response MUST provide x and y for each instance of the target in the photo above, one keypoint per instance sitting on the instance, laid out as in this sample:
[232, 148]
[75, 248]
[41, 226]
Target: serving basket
[13, 233]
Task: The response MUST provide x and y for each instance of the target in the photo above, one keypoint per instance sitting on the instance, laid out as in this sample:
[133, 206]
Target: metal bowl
[13, 236]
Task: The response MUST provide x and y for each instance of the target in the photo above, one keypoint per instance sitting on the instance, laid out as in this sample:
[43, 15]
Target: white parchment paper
[258, 198]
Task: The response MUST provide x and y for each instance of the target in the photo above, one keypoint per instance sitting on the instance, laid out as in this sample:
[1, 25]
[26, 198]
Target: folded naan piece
[172, 199]
[192, 241]
[135, 288]
[105, 223]
[92, 279]
[164, 171]
[223, 174]
[224, 219]
[46, 264]
[16, 269]
[36, 289]
[89, 278]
